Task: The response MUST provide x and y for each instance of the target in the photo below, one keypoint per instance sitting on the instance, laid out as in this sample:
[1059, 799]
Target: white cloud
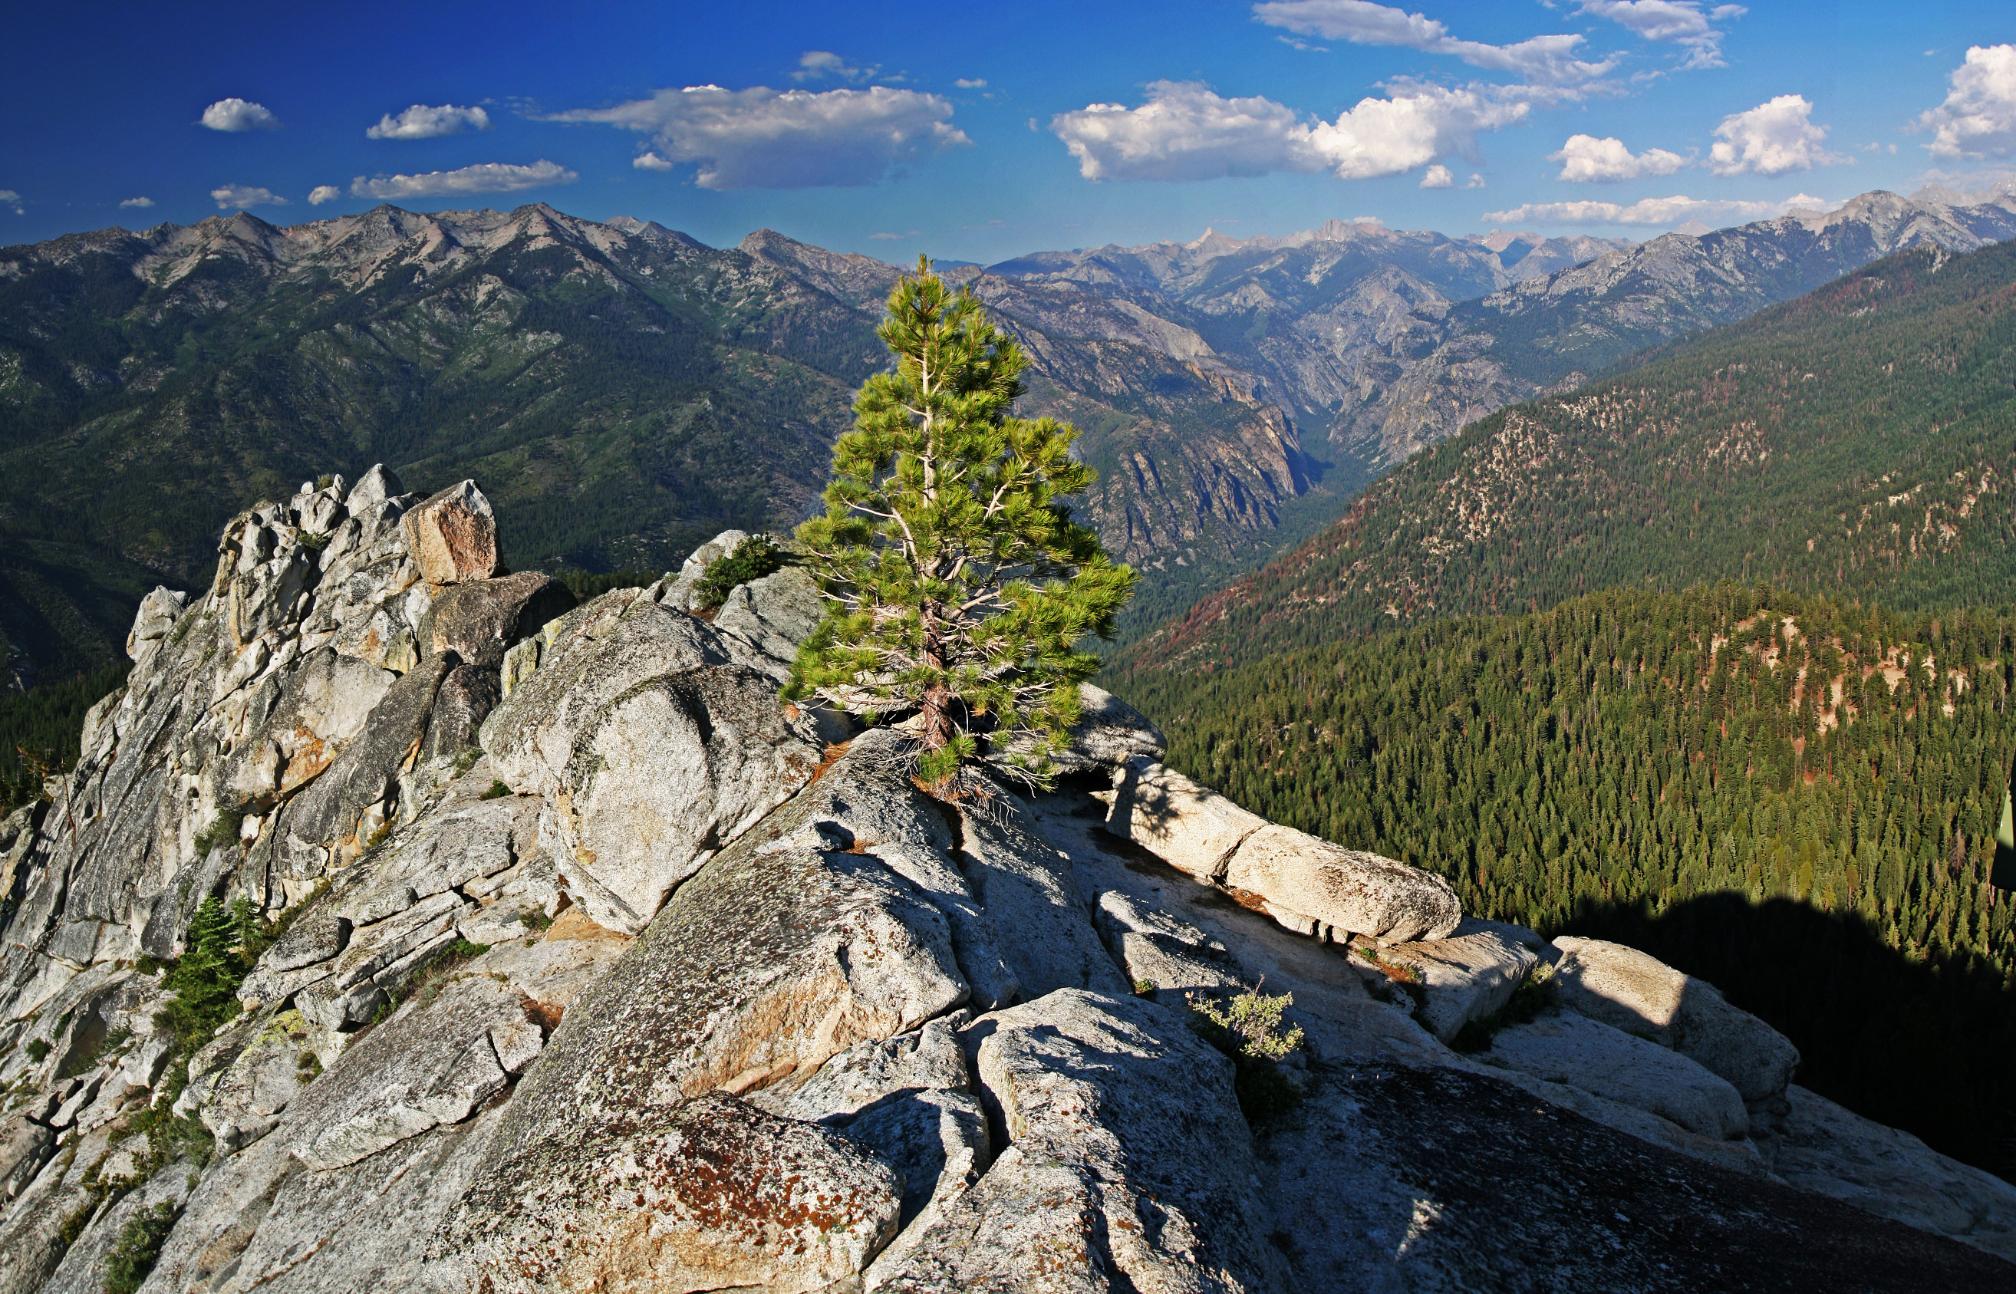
[971, 83]
[136, 204]
[423, 122]
[650, 161]
[1587, 159]
[761, 138]
[1978, 118]
[322, 193]
[12, 200]
[1186, 132]
[1541, 58]
[1686, 23]
[1437, 176]
[821, 64]
[485, 177]
[1647, 211]
[885, 236]
[1475, 181]
[230, 197]
[237, 115]
[1770, 139]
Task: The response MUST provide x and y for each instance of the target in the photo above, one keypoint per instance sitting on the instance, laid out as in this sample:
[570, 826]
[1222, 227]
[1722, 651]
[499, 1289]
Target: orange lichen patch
[306, 763]
[829, 757]
[1247, 899]
[573, 923]
[546, 1015]
[801, 1024]
[1397, 972]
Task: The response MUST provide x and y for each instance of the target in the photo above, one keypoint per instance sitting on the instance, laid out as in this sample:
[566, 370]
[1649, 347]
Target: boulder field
[591, 966]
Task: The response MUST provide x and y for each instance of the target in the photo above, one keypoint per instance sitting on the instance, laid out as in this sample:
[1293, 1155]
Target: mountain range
[629, 391]
[1856, 441]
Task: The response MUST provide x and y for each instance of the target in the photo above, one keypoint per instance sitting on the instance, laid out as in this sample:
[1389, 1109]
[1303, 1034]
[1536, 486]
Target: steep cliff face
[571, 959]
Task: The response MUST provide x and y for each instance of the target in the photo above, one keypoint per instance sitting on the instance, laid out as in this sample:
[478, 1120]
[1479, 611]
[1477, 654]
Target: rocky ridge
[598, 968]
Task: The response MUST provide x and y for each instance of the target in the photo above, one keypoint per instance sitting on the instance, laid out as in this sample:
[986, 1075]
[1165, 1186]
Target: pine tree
[959, 588]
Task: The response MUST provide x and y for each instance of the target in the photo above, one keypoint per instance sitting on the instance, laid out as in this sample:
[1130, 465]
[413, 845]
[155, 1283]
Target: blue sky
[895, 129]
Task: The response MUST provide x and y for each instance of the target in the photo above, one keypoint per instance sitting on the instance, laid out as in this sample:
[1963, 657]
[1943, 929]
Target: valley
[630, 391]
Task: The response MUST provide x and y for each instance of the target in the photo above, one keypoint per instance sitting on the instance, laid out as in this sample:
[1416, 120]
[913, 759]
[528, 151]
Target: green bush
[38, 1050]
[223, 830]
[753, 558]
[138, 1246]
[1251, 1028]
[495, 791]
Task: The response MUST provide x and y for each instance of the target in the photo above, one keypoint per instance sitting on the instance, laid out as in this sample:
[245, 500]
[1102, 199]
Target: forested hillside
[1859, 440]
[1774, 791]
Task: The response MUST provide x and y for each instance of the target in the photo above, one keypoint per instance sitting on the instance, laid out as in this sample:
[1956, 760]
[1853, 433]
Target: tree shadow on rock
[1924, 1045]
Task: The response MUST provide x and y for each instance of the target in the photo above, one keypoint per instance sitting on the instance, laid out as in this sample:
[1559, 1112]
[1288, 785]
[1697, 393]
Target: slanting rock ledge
[1306, 883]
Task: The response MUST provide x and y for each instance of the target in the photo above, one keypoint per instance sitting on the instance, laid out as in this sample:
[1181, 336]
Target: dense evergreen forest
[40, 729]
[1793, 797]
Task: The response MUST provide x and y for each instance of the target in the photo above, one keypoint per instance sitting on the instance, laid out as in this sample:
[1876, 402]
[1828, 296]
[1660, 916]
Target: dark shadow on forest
[1927, 1046]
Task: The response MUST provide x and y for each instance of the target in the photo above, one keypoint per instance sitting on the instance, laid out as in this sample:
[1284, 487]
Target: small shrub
[1142, 987]
[1398, 972]
[1251, 1028]
[753, 558]
[73, 1225]
[1252, 1024]
[38, 1050]
[223, 830]
[535, 919]
[495, 791]
[465, 759]
[138, 1247]
[1534, 994]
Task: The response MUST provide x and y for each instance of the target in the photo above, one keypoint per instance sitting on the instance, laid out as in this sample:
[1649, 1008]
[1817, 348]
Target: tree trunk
[935, 707]
[936, 717]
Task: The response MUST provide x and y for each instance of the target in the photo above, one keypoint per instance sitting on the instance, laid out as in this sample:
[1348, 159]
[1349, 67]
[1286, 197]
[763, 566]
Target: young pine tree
[959, 588]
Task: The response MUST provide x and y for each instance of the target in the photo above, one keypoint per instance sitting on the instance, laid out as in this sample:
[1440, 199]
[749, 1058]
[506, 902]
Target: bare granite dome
[598, 968]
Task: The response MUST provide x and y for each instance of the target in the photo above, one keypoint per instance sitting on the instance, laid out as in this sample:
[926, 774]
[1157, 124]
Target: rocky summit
[569, 958]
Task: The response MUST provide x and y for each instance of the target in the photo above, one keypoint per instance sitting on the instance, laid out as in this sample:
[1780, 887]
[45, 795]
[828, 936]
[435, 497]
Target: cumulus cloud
[1686, 23]
[12, 201]
[322, 193]
[485, 177]
[1437, 176]
[1540, 58]
[423, 122]
[140, 203]
[237, 115]
[824, 64]
[971, 83]
[231, 197]
[1646, 211]
[1770, 139]
[1475, 181]
[1187, 132]
[761, 138]
[1978, 118]
[650, 161]
[1587, 159]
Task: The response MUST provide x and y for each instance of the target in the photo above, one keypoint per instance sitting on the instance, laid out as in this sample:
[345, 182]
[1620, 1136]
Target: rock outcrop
[577, 961]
